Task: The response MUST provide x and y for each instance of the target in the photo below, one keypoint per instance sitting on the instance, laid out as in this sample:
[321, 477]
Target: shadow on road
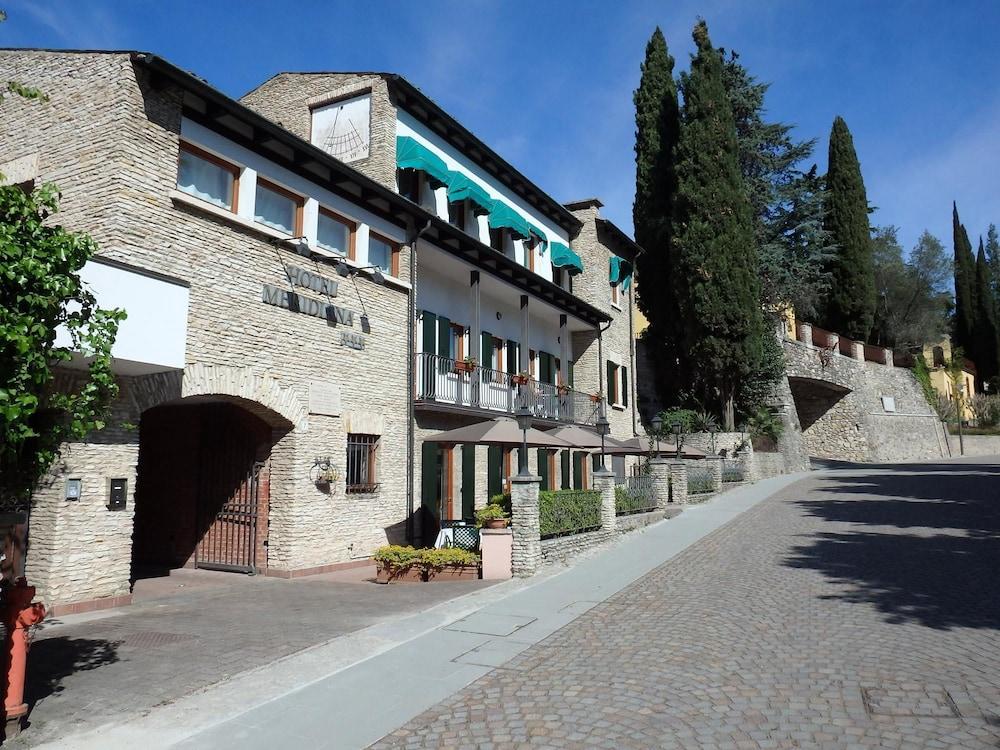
[54, 659]
[928, 550]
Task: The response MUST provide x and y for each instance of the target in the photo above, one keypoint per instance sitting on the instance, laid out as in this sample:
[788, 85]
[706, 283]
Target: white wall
[152, 337]
[254, 164]
[407, 125]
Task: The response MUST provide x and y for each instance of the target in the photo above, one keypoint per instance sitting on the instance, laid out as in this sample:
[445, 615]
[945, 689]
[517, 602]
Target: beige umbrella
[581, 438]
[639, 445]
[500, 431]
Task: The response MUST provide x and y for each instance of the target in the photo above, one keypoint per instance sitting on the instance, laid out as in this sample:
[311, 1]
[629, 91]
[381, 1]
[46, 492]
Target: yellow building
[937, 357]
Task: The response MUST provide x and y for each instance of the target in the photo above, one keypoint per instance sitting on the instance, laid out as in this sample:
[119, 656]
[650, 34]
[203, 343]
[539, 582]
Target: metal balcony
[454, 385]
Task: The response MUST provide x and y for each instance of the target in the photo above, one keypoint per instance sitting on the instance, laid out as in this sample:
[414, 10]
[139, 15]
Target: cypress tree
[850, 304]
[716, 276]
[656, 129]
[964, 324]
[985, 322]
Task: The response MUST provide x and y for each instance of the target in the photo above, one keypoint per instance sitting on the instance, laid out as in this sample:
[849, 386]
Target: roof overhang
[617, 240]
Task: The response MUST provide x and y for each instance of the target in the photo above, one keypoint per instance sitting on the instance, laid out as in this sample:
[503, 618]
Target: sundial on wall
[343, 128]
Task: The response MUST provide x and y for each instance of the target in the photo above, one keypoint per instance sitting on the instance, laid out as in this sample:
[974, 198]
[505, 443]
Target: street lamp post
[677, 438]
[523, 416]
[603, 427]
[657, 424]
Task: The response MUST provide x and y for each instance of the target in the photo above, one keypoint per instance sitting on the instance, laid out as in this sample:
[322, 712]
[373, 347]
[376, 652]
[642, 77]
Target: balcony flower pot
[520, 379]
[595, 398]
[496, 523]
[563, 390]
[465, 366]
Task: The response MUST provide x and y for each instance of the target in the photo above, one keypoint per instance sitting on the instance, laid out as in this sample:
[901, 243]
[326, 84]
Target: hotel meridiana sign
[295, 302]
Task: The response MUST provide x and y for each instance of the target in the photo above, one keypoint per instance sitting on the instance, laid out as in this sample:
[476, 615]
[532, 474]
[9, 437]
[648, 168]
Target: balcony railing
[446, 381]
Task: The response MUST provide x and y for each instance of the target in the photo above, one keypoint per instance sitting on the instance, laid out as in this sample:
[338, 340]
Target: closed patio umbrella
[639, 445]
[500, 431]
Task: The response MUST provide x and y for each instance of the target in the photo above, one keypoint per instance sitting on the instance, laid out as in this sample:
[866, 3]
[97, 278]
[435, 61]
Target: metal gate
[229, 537]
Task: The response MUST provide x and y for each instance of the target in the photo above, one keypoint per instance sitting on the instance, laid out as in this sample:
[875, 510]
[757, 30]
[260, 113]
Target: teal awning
[536, 232]
[461, 187]
[412, 155]
[502, 215]
[563, 257]
[620, 271]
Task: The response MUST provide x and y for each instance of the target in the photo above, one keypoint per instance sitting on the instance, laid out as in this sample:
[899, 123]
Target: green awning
[461, 187]
[563, 257]
[620, 271]
[502, 215]
[536, 232]
[412, 155]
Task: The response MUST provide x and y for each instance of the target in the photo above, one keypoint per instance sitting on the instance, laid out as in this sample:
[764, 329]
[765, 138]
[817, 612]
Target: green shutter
[543, 468]
[578, 470]
[494, 471]
[567, 477]
[610, 387]
[444, 337]
[513, 355]
[468, 482]
[429, 323]
[624, 386]
[429, 495]
[544, 367]
[486, 350]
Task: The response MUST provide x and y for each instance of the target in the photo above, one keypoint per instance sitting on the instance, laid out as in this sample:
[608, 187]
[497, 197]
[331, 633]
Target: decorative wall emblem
[343, 128]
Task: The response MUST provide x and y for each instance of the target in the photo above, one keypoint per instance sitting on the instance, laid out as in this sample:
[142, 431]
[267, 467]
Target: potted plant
[521, 378]
[465, 365]
[596, 398]
[563, 389]
[449, 564]
[397, 563]
[493, 516]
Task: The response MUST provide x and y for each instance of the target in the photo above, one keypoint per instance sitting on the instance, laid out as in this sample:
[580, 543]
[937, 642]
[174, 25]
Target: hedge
[564, 512]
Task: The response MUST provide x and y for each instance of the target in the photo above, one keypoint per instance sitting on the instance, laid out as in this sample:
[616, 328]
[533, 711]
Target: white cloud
[77, 25]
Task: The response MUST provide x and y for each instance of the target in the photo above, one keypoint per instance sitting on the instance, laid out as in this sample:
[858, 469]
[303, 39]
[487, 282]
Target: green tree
[964, 321]
[913, 296]
[787, 202]
[657, 125]
[850, 304]
[716, 281]
[40, 292]
[985, 322]
[993, 259]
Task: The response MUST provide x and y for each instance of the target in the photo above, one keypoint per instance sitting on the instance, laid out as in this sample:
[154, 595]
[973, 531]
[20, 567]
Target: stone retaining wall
[976, 445]
[562, 548]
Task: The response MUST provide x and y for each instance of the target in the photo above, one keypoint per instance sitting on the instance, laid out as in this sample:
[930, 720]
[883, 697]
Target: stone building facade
[289, 361]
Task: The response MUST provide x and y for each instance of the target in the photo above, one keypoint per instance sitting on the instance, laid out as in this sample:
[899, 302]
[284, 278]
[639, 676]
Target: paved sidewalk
[194, 629]
[324, 699]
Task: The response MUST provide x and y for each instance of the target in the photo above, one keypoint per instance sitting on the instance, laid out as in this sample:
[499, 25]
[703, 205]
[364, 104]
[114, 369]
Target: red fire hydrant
[18, 615]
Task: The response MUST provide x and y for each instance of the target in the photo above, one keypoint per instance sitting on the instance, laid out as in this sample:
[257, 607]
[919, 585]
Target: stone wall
[288, 99]
[975, 445]
[839, 403]
[562, 548]
[110, 142]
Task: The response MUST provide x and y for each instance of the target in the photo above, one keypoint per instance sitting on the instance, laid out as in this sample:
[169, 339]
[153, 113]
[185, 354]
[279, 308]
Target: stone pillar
[888, 358]
[659, 479]
[565, 349]
[715, 465]
[806, 333]
[858, 350]
[833, 342]
[527, 551]
[749, 466]
[475, 324]
[678, 482]
[604, 482]
[524, 346]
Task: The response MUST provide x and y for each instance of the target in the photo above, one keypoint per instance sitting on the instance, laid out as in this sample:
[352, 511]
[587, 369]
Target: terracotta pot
[454, 573]
[496, 523]
[464, 367]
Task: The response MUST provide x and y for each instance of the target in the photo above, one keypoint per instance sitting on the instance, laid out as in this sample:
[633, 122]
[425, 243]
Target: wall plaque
[324, 398]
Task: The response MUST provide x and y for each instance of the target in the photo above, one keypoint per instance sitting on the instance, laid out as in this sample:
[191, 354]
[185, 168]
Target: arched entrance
[202, 485]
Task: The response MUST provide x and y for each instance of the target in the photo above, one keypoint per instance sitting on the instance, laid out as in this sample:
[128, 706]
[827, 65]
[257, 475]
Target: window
[208, 177]
[409, 183]
[498, 239]
[617, 384]
[557, 276]
[457, 213]
[362, 451]
[335, 233]
[529, 252]
[384, 254]
[277, 208]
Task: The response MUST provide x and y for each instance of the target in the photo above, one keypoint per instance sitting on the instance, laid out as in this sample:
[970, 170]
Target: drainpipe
[411, 325]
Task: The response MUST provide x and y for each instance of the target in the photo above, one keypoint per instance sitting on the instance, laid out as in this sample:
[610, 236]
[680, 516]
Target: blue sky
[549, 84]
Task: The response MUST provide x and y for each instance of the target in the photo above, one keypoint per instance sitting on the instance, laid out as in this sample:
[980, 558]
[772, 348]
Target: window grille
[361, 461]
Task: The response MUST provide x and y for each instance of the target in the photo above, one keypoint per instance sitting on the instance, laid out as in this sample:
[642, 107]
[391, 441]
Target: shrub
[491, 512]
[568, 511]
[398, 558]
[440, 558]
[765, 423]
[985, 409]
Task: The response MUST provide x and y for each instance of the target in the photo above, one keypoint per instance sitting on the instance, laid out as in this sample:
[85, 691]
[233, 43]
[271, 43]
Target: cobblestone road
[853, 610]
